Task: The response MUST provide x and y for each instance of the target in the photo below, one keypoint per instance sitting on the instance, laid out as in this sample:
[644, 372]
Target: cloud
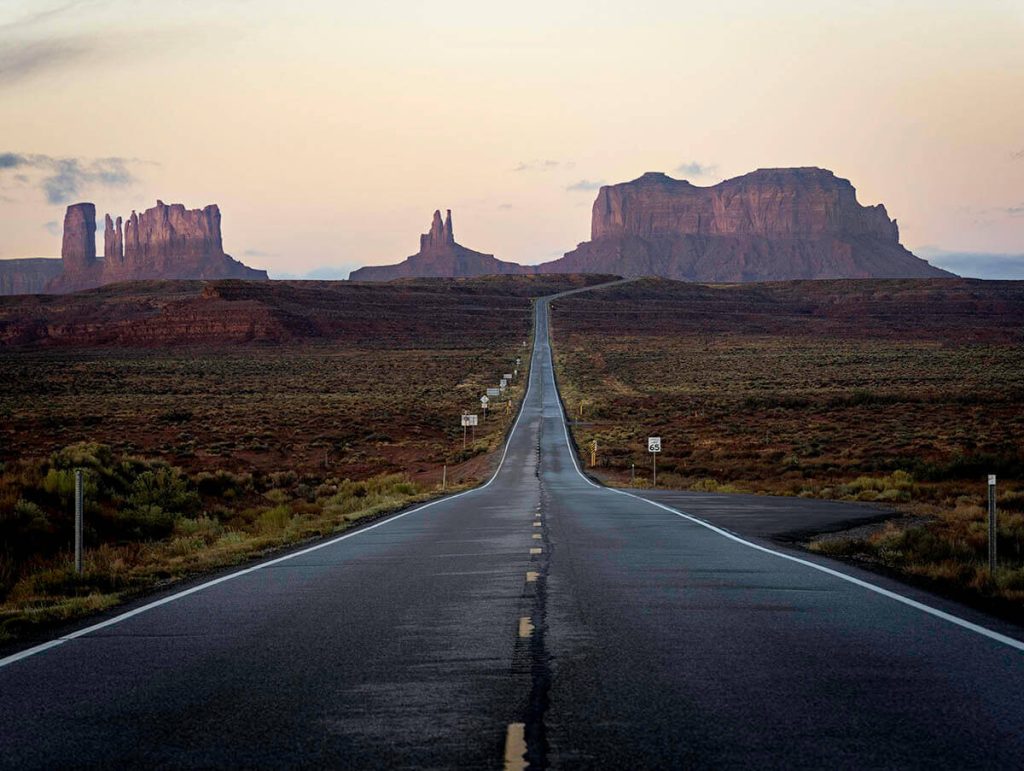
[256, 253]
[505, 206]
[543, 165]
[62, 179]
[1018, 156]
[1015, 211]
[52, 227]
[22, 60]
[989, 265]
[695, 169]
[584, 185]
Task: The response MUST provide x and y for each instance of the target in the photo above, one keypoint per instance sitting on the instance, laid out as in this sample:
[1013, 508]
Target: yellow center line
[531, 576]
[525, 627]
[537, 523]
[536, 536]
[515, 747]
[535, 550]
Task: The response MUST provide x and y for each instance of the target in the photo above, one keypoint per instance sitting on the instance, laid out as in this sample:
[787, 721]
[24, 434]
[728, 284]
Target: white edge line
[253, 568]
[964, 623]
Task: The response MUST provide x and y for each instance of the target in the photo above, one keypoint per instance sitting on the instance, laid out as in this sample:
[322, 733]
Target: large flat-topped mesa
[771, 224]
[439, 256]
[164, 242]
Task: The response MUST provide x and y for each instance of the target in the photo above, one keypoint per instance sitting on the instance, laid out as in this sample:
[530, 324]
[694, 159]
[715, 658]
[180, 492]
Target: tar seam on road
[42, 647]
[941, 614]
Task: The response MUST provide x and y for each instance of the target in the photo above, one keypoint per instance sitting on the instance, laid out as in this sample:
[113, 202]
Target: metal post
[444, 478]
[632, 474]
[79, 501]
[654, 465]
[992, 523]
[463, 436]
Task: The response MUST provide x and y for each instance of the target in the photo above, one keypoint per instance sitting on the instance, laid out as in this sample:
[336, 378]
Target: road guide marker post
[484, 401]
[468, 420]
[654, 447]
[991, 523]
[79, 518]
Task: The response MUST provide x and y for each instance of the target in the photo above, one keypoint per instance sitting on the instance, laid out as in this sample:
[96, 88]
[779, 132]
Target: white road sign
[494, 392]
[469, 420]
[508, 376]
[484, 401]
[654, 444]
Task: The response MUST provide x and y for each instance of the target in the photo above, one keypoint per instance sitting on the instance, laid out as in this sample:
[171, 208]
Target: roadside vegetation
[848, 392]
[198, 457]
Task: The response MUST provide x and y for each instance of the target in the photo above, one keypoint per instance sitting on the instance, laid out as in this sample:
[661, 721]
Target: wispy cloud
[696, 169]
[1018, 156]
[543, 165]
[585, 185]
[505, 206]
[1015, 211]
[62, 179]
[21, 60]
[52, 227]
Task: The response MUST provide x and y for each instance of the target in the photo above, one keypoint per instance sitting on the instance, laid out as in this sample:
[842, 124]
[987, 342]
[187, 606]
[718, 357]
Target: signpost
[991, 523]
[502, 385]
[492, 392]
[654, 447]
[468, 420]
[507, 377]
[484, 401]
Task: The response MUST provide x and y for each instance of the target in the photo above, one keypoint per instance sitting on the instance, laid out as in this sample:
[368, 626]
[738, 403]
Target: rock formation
[771, 224]
[440, 256]
[113, 241]
[165, 242]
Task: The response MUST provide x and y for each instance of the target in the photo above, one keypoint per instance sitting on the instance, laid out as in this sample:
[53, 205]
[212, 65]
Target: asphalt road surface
[539, 613]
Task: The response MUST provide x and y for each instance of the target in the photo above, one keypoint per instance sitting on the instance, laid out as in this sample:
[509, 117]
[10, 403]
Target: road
[540, 612]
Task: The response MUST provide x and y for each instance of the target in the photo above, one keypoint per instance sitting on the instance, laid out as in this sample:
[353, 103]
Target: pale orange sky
[328, 134]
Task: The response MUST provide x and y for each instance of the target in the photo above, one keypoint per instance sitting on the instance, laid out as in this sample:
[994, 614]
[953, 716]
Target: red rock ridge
[440, 256]
[771, 224]
[164, 242]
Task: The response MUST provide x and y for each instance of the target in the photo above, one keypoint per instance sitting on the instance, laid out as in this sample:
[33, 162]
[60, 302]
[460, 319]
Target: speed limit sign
[654, 444]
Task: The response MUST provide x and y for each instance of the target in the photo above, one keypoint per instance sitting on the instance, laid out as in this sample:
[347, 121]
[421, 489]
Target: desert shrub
[897, 486]
[274, 520]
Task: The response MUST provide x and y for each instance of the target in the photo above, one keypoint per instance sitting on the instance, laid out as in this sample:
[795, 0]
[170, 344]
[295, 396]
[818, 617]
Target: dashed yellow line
[535, 550]
[531, 576]
[537, 523]
[525, 627]
[536, 536]
[515, 747]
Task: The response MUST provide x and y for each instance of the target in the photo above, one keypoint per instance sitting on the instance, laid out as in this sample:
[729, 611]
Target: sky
[328, 132]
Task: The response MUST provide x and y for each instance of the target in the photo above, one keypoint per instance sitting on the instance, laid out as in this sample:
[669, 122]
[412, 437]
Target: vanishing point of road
[538, 614]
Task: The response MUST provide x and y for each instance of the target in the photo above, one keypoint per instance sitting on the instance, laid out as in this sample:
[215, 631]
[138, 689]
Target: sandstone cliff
[165, 242]
[771, 224]
[440, 256]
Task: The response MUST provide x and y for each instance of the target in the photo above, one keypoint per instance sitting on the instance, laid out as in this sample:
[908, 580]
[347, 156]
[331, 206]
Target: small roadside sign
[494, 392]
[469, 420]
[654, 444]
[484, 401]
[508, 376]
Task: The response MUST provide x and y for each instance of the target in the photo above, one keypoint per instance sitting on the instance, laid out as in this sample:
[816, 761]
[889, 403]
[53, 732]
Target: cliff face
[440, 256]
[772, 224]
[165, 242]
[28, 276]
